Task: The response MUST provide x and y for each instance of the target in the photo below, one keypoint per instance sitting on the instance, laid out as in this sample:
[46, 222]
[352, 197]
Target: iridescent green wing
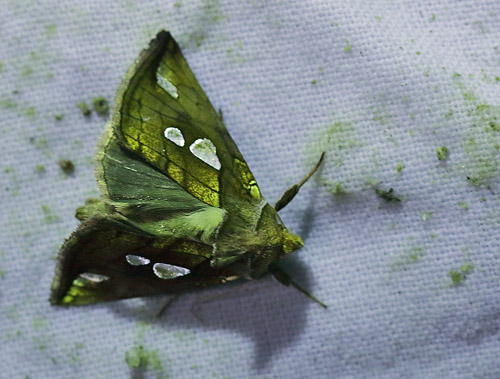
[149, 201]
[105, 260]
[164, 118]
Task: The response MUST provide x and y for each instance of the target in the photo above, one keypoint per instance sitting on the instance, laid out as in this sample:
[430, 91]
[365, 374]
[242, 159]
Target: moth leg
[285, 279]
[167, 304]
[290, 193]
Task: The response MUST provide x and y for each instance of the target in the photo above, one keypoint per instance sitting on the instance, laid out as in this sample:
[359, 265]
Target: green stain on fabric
[26, 72]
[84, 108]
[481, 144]
[348, 48]
[30, 112]
[59, 117]
[459, 276]
[463, 205]
[388, 195]
[49, 216]
[382, 116]
[50, 30]
[424, 216]
[399, 167]
[442, 153]
[140, 358]
[456, 277]
[410, 256]
[202, 22]
[100, 105]
[66, 166]
[336, 189]
[40, 168]
[337, 140]
[7, 103]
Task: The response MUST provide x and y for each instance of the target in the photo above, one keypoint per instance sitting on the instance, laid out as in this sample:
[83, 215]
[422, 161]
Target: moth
[179, 207]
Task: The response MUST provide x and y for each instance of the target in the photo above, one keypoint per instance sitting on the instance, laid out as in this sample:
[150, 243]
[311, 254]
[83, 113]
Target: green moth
[180, 209]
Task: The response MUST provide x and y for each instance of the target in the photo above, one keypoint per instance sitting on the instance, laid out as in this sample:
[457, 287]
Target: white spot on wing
[205, 150]
[137, 260]
[93, 278]
[166, 85]
[166, 271]
[174, 135]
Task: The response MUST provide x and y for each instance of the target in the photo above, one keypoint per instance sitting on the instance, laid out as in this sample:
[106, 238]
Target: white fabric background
[418, 76]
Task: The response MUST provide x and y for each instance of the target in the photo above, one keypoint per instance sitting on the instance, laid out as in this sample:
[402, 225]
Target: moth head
[291, 242]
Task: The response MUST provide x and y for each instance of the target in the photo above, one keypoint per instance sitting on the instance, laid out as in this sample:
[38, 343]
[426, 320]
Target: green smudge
[30, 112]
[348, 48]
[41, 144]
[138, 357]
[66, 166]
[463, 205]
[433, 17]
[1, 66]
[399, 167]
[336, 189]
[442, 153]
[382, 116]
[409, 257]
[40, 323]
[337, 141]
[7, 103]
[26, 72]
[470, 96]
[59, 117]
[100, 105]
[177, 4]
[378, 18]
[424, 216]
[467, 268]
[459, 276]
[449, 113]
[456, 277]
[313, 81]
[40, 168]
[48, 215]
[387, 195]
[50, 30]
[82, 105]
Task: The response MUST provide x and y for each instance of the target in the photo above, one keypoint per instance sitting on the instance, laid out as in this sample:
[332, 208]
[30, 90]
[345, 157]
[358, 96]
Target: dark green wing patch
[164, 117]
[101, 262]
[150, 201]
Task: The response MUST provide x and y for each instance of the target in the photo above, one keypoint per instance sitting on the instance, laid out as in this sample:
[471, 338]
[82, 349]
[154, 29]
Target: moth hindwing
[180, 208]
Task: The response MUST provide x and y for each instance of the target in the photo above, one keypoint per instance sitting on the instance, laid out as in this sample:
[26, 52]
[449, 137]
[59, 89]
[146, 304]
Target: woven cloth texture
[412, 286]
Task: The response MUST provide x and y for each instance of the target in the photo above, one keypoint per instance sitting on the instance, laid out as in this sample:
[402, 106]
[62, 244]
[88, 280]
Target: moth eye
[163, 82]
[136, 260]
[205, 150]
[166, 271]
[93, 278]
[174, 135]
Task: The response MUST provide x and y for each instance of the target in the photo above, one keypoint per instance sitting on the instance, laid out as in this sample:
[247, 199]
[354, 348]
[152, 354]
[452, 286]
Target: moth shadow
[270, 314]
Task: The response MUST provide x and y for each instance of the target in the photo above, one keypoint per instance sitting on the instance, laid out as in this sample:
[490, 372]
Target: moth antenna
[290, 193]
[285, 279]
